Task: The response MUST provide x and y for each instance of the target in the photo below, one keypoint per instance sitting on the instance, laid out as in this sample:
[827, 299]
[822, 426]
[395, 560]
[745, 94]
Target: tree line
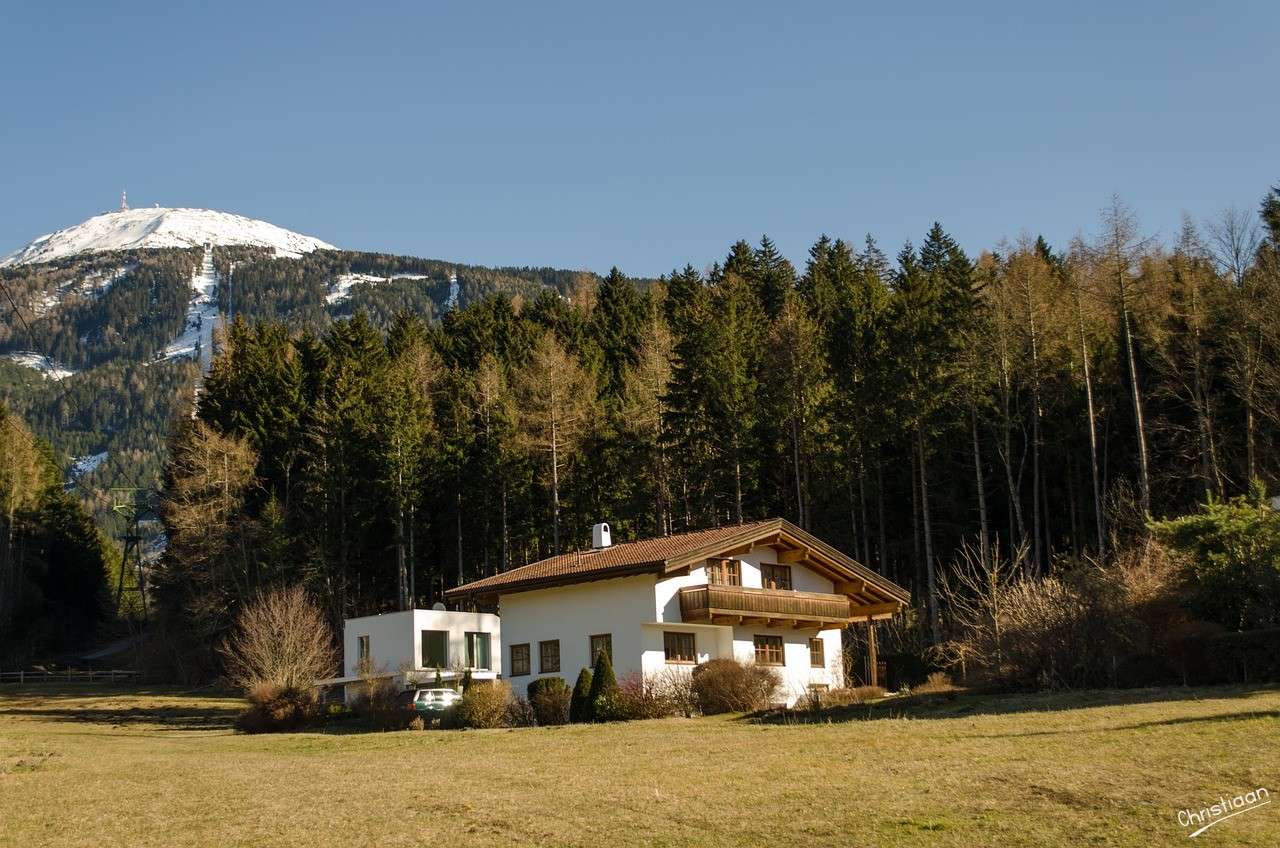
[1037, 398]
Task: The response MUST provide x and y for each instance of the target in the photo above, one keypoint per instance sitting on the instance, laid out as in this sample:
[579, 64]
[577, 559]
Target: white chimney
[600, 537]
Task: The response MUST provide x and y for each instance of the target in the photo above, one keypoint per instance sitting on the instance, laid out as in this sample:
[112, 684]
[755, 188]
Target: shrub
[580, 702]
[520, 712]
[280, 638]
[550, 698]
[729, 686]
[604, 689]
[937, 683]
[1231, 552]
[275, 709]
[638, 697]
[378, 705]
[417, 723]
[483, 706]
[851, 695]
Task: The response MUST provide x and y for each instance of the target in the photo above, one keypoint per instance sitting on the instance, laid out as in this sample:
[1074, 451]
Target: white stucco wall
[395, 638]
[573, 614]
[637, 610]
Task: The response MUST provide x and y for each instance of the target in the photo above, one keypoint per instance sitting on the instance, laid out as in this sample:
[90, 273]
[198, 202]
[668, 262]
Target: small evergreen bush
[603, 694]
[580, 702]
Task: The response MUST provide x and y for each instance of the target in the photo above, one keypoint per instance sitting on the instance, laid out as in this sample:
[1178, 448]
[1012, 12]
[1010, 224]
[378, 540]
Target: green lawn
[161, 767]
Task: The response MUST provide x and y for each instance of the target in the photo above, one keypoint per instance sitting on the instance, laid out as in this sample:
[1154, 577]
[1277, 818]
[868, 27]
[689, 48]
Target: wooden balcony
[716, 604]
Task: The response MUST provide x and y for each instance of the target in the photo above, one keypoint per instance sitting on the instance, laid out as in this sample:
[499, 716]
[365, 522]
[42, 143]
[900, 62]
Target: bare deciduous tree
[280, 639]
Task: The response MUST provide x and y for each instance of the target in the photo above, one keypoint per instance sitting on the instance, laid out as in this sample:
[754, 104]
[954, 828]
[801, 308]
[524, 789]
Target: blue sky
[645, 136]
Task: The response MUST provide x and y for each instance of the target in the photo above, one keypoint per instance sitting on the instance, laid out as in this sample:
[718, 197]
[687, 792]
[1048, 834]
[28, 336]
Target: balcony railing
[770, 607]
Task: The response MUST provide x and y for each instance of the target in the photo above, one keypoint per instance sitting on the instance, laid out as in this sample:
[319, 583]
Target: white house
[766, 592]
[412, 646]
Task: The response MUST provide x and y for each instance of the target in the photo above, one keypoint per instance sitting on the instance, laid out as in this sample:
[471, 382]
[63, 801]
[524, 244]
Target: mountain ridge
[162, 227]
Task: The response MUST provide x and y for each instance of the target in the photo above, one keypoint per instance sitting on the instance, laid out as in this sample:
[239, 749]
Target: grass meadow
[162, 767]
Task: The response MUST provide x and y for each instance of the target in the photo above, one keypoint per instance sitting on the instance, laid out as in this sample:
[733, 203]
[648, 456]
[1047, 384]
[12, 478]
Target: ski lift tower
[134, 506]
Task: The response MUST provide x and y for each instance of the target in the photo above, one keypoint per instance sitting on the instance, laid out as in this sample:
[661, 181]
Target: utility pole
[134, 506]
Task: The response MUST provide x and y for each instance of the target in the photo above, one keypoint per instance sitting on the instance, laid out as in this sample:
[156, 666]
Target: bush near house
[550, 698]
[730, 686]
[481, 706]
[603, 694]
[279, 647]
[580, 703]
[278, 709]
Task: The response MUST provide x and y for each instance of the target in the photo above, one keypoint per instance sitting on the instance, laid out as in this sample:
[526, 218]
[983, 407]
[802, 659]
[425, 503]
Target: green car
[430, 701]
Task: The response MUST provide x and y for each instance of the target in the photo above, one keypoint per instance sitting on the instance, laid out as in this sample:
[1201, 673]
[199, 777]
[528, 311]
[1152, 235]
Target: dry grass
[164, 769]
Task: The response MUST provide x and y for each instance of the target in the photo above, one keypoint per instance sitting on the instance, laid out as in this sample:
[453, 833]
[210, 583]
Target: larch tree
[557, 401]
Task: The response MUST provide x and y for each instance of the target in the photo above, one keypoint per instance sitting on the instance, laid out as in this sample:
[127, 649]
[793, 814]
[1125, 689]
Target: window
[679, 647]
[769, 650]
[363, 651]
[478, 650]
[602, 642]
[519, 659]
[549, 656]
[775, 576]
[724, 572]
[435, 649]
[817, 655]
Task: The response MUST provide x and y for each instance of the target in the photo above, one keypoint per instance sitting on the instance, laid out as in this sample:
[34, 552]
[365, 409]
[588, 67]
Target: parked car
[430, 700]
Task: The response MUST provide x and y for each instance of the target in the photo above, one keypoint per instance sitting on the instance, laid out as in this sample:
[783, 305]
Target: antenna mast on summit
[124, 200]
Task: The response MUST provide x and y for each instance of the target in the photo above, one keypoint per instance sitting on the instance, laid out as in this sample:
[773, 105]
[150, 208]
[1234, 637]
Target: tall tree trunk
[880, 526]
[506, 537]
[1144, 480]
[555, 490]
[458, 527]
[935, 626]
[413, 557]
[862, 505]
[1037, 558]
[795, 461]
[1098, 520]
[984, 538]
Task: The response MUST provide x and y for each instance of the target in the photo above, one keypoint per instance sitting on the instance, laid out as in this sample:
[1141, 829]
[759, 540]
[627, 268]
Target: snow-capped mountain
[130, 229]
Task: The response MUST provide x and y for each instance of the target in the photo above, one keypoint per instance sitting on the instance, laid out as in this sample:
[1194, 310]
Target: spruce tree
[604, 687]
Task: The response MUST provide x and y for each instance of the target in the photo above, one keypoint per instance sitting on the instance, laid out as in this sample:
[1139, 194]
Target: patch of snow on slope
[92, 285]
[131, 229]
[452, 301]
[41, 363]
[196, 339]
[340, 288]
[83, 465]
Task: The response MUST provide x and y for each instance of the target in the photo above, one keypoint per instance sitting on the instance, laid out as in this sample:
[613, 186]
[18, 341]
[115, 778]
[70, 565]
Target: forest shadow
[121, 708]
[962, 704]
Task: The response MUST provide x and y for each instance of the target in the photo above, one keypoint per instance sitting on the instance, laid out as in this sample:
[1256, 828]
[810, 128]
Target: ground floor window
[435, 649]
[519, 659]
[679, 647]
[363, 648]
[817, 653]
[549, 656]
[769, 650]
[601, 642]
[478, 650]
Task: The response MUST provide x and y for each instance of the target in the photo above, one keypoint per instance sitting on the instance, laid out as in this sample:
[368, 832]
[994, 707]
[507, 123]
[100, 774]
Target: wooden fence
[69, 676]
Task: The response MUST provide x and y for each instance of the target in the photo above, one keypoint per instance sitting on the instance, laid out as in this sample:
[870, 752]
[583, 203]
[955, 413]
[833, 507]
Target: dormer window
[724, 572]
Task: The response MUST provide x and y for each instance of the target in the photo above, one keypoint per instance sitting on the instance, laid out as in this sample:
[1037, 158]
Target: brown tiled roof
[656, 555]
[626, 558]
